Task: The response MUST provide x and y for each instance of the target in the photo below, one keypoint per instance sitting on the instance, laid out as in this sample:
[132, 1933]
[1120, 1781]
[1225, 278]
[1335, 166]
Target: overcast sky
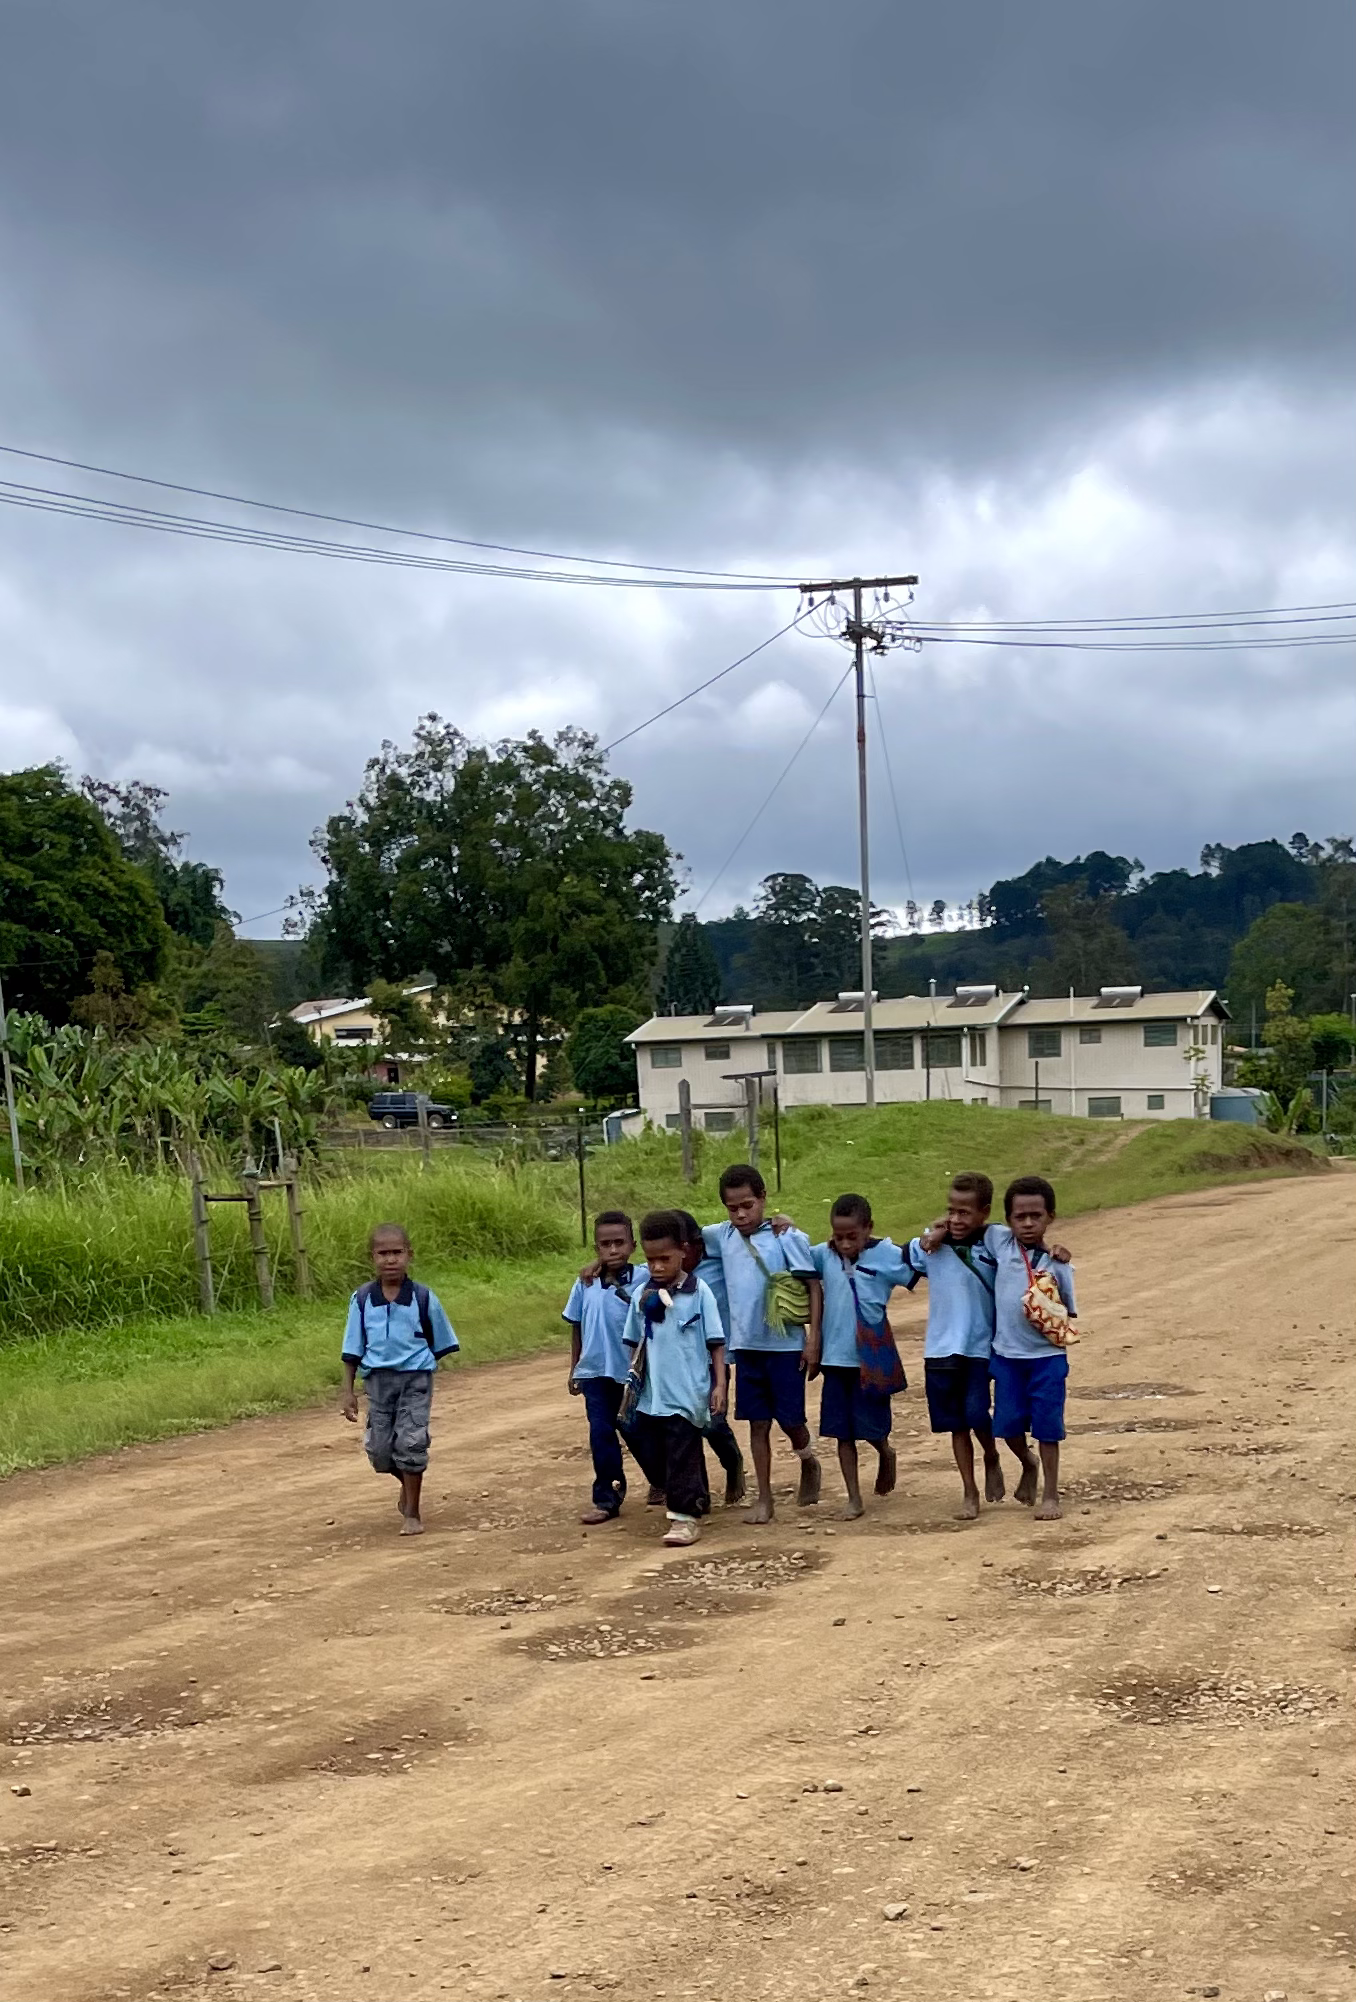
[1051, 303]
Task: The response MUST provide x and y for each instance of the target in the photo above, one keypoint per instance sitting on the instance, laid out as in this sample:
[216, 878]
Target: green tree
[600, 1060]
[108, 1005]
[294, 1045]
[1290, 945]
[1283, 1064]
[189, 892]
[510, 862]
[406, 1025]
[1334, 1040]
[67, 894]
[1087, 948]
[227, 986]
[691, 982]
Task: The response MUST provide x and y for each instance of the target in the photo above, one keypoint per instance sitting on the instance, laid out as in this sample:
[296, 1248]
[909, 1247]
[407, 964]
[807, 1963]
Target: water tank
[1239, 1103]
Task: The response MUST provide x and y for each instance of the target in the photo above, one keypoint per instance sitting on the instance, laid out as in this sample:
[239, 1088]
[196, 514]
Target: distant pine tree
[691, 982]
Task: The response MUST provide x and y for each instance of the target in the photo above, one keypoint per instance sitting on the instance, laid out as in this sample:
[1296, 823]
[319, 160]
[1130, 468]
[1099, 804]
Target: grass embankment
[85, 1367]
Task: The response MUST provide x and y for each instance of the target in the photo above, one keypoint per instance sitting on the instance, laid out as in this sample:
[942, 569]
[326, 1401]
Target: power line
[890, 782]
[627, 735]
[1140, 646]
[382, 528]
[771, 795]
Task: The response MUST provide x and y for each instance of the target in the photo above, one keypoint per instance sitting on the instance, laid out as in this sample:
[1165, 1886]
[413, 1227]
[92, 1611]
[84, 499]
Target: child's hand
[809, 1361]
[588, 1273]
[781, 1223]
[935, 1236]
[348, 1404]
[1058, 1251]
[576, 1389]
[719, 1400]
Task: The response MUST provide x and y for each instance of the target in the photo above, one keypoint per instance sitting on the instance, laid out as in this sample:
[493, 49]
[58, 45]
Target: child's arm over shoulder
[632, 1331]
[894, 1263]
[444, 1334]
[798, 1253]
[713, 1237]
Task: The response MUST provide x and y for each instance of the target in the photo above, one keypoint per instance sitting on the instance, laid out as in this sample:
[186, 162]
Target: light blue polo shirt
[1014, 1335]
[881, 1267]
[388, 1334]
[746, 1286]
[599, 1310]
[712, 1273]
[960, 1297]
[678, 1353]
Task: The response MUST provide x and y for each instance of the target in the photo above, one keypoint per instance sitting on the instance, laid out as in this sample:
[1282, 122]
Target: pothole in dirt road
[1115, 1488]
[386, 1745]
[707, 1585]
[1195, 1876]
[1139, 1697]
[1139, 1425]
[1133, 1391]
[1269, 1531]
[603, 1640]
[87, 1716]
[504, 1605]
[1079, 1584]
[1244, 1449]
[19, 1856]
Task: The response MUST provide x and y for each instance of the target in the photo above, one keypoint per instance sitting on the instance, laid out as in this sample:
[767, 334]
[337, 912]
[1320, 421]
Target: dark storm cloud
[1052, 302]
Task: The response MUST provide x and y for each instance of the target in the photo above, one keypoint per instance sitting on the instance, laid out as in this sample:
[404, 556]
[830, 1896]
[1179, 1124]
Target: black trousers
[670, 1454]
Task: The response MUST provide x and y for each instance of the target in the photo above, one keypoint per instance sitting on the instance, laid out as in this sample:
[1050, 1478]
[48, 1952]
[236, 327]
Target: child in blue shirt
[1029, 1371]
[771, 1359]
[719, 1437]
[960, 1270]
[596, 1311]
[859, 1360]
[677, 1345]
[395, 1335]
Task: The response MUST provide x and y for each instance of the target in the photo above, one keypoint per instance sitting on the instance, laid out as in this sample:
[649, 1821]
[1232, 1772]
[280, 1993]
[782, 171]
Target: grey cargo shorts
[399, 1405]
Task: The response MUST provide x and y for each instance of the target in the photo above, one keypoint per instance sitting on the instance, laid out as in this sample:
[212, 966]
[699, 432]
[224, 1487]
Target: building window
[353, 1035]
[979, 1049]
[1155, 1101]
[717, 1053]
[1090, 1033]
[720, 1122]
[847, 1053]
[801, 1055]
[1104, 1108]
[1214, 1032]
[1044, 1042]
[1160, 1035]
[666, 1057]
[942, 1049]
[1033, 1105]
[673, 1120]
[894, 1053]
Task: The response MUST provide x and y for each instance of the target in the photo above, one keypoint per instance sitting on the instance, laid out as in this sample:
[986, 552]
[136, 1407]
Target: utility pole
[859, 633]
[9, 1095]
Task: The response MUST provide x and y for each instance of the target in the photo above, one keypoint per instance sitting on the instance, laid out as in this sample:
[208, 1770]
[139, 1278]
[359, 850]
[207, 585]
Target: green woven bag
[786, 1299]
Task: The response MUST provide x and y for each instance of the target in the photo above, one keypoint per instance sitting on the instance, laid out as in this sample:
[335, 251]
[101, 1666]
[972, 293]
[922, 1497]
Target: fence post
[254, 1210]
[685, 1128]
[751, 1106]
[202, 1243]
[583, 1196]
[777, 1131]
[421, 1109]
[301, 1262]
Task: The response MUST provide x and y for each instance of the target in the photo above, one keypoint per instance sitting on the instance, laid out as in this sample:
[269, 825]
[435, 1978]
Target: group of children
[652, 1342]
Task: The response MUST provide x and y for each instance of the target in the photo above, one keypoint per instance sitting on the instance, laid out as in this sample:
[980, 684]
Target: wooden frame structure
[252, 1189]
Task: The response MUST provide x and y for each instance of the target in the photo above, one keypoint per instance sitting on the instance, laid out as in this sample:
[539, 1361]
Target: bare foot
[761, 1510]
[889, 1471]
[810, 1477]
[852, 1509]
[1049, 1510]
[596, 1515]
[1025, 1490]
[736, 1488]
[994, 1485]
[968, 1509]
[412, 1526]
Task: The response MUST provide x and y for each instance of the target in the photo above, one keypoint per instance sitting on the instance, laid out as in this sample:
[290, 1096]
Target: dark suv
[401, 1108]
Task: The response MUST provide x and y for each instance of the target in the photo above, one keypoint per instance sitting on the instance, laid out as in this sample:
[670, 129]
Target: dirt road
[256, 1745]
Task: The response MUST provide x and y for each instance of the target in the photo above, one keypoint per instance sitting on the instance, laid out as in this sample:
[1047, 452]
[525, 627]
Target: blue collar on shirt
[404, 1298]
[622, 1278]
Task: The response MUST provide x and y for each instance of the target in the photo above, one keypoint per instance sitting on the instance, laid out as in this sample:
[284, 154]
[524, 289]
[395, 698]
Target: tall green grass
[117, 1246]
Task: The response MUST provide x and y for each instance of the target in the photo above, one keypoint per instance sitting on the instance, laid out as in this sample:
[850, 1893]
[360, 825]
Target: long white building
[1119, 1054]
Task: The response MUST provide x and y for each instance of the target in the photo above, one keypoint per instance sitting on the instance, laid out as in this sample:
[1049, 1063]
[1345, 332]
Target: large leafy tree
[510, 862]
[691, 982]
[67, 895]
[189, 892]
[601, 1063]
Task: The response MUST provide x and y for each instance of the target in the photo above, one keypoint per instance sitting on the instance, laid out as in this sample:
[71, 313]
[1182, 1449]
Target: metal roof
[912, 1012]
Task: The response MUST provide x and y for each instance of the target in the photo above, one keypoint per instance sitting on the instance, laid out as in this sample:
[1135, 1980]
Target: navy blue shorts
[1028, 1396]
[770, 1384]
[958, 1393]
[847, 1411]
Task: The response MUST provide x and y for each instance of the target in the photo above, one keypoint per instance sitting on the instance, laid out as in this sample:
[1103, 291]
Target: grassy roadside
[82, 1390]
